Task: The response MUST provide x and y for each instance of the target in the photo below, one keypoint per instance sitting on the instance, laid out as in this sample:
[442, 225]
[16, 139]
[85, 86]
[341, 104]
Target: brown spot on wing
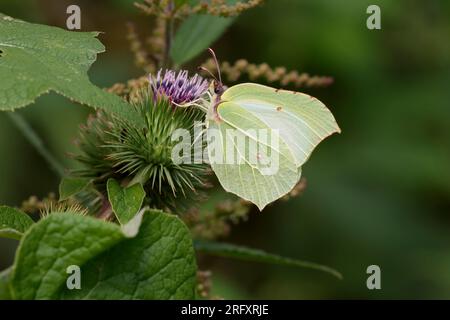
[279, 108]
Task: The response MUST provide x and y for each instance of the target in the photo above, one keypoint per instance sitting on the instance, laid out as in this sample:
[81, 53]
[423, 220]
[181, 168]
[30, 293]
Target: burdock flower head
[180, 89]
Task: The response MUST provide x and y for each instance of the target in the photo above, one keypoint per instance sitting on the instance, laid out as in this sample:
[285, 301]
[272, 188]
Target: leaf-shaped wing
[262, 137]
[303, 121]
[248, 164]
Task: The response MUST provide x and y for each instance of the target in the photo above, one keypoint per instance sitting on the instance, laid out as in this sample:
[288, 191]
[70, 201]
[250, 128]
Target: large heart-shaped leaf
[159, 263]
[52, 245]
[35, 59]
[154, 260]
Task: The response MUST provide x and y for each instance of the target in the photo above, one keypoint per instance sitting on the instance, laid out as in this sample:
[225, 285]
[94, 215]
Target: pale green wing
[303, 121]
[247, 163]
[263, 168]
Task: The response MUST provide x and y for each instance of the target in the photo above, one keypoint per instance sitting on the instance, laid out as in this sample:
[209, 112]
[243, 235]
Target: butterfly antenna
[211, 51]
[209, 72]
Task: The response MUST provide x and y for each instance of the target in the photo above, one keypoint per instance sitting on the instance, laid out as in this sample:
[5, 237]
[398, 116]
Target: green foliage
[71, 186]
[131, 267]
[159, 263]
[126, 152]
[13, 223]
[243, 253]
[125, 202]
[360, 192]
[294, 123]
[52, 245]
[35, 59]
[196, 34]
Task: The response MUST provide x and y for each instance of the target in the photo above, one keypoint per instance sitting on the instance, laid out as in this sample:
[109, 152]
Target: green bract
[125, 202]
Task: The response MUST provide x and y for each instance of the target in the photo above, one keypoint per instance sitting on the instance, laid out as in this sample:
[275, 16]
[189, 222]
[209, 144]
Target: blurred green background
[379, 193]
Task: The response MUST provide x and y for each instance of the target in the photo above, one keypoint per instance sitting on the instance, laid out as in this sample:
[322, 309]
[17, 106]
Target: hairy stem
[36, 142]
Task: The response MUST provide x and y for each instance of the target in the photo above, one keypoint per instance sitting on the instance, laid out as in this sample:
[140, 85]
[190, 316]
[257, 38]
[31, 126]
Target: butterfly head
[217, 87]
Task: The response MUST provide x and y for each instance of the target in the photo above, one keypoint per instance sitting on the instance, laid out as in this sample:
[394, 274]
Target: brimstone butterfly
[254, 126]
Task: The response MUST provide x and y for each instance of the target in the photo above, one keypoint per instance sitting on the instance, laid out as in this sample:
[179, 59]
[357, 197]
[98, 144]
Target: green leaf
[260, 137]
[196, 34]
[52, 245]
[13, 223]
[125, 202]
[71, 186]
[248, 254]
[36, 59]
[159, 263]
[5, 293]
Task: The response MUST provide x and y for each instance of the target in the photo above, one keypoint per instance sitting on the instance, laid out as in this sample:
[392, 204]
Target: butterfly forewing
[303, 121]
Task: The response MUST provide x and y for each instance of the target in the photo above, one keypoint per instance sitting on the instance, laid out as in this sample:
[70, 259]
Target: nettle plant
[131, 218]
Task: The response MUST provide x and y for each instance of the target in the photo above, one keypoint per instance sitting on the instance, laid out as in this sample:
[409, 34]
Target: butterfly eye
[218, 87]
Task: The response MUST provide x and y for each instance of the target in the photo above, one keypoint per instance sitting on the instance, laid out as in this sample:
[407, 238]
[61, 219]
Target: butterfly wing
[261, 139]
[271, 176]
[303, 121]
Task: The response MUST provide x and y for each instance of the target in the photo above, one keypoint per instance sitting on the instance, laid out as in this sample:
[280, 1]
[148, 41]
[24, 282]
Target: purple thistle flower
[178, 88]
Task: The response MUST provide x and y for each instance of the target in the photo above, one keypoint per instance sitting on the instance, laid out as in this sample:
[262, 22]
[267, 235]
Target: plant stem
[168, 36]
[36, 142]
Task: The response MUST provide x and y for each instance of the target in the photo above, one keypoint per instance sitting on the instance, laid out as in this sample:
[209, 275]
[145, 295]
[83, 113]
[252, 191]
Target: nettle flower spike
[180, 89]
